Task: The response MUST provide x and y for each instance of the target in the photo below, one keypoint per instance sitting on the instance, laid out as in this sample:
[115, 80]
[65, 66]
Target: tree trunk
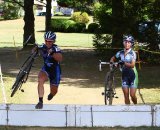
[117, 16]
[48, 15]
[28, 22]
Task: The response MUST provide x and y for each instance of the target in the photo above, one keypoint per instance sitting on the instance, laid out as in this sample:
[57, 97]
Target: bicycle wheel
[108, 92]
[18, 83]
[22, 75]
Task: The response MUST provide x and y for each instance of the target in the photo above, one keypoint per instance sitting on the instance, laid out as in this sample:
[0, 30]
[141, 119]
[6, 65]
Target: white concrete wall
[3, 114]
[80, 115]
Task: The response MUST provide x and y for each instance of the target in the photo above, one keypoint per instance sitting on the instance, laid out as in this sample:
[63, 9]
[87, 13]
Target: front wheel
[21, 77]
[18, 83]
[108, 91]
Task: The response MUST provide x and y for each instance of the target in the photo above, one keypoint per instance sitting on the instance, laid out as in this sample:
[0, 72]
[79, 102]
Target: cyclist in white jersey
[129, 72]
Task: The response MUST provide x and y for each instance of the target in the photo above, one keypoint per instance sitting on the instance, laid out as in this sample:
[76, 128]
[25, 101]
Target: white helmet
[50, 36]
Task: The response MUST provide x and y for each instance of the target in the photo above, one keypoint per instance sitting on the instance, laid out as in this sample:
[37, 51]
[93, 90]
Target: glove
[121, 63]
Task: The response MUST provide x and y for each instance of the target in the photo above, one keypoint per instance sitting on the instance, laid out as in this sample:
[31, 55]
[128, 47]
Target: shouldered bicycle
[23, 74]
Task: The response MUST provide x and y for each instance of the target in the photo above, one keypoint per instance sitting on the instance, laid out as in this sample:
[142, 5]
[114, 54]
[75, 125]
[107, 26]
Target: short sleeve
[117, 55]
[56, 49]
[134, 56]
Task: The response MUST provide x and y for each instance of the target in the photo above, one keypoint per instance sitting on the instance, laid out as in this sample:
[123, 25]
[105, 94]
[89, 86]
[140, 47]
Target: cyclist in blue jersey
[51, 70]
[129, 72]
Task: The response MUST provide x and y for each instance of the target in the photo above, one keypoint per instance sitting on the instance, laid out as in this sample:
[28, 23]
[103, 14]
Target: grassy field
[12, 32]
[80, 73]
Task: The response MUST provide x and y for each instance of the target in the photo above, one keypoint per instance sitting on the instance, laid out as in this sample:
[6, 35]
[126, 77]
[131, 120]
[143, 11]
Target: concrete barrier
[80, 115]
[3, 114]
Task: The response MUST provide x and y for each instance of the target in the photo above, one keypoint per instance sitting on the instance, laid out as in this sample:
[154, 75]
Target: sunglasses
[48, 41]
[126, 41]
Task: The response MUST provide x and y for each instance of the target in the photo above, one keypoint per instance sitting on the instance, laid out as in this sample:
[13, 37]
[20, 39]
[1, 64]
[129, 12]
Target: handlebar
[107, 63]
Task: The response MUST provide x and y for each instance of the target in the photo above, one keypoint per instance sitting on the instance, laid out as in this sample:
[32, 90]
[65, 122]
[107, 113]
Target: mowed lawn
[80, 75]
[11, 32]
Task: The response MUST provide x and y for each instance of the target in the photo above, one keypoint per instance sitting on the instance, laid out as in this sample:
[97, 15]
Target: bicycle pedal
[22, 90]
[116, 97]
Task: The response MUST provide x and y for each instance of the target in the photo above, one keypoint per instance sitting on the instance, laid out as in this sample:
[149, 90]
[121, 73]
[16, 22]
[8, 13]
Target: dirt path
[81, 83]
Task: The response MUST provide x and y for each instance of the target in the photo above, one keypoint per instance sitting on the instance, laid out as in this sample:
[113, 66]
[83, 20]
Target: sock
[41, 99]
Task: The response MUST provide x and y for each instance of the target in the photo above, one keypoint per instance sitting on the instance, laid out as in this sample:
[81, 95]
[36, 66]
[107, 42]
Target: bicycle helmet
[50, 36]
[129, 38]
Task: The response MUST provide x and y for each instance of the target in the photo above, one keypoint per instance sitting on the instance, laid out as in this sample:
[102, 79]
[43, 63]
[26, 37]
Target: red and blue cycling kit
[51, 67]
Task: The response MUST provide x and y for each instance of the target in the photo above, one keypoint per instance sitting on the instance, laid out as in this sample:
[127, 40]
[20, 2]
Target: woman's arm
[130, 65]
[57, 56]
[113, 59]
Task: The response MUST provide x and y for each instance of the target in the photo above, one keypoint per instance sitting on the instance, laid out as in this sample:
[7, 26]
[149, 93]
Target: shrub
[58, 25]
[69, 23]
[101, 42]
[66, 25]
[80, 17]
[76, 27]
[80, 27]
[11, 11]
[92, 27]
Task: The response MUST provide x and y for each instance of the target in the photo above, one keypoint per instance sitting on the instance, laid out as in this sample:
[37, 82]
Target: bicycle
[23, 74]
[109, 85]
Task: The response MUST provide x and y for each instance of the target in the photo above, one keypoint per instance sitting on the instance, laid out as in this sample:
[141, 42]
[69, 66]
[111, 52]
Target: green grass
[12, 32]
[63, 40]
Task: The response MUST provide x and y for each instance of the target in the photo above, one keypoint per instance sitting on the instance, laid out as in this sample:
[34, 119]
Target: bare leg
[133, 95]
[42, 77]
[126, 95]
[53, 91]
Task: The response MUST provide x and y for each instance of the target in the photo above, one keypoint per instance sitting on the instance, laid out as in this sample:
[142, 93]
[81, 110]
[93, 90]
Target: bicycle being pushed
[109, 84]
[25, 69]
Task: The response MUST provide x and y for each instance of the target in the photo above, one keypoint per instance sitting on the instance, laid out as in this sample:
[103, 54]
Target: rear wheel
[108, 92]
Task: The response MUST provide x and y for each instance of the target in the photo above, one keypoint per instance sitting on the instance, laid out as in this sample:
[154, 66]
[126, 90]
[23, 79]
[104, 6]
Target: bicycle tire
[22, 75]
[18, 83]
[108, 92]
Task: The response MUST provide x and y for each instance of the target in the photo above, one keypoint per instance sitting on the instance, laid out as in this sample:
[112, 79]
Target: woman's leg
[42, 77]
[53, 91]
[133, 95]
[126, 95]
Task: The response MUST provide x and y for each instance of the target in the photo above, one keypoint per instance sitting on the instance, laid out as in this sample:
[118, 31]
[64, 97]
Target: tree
[119, 17]
[117, 21]
[48, 15]
[10, 10]
[29, 21]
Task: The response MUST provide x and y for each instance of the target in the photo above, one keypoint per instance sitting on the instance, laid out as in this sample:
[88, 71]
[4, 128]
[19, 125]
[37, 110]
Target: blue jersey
[129, 57]
[129, 75]
[47, 56]
[51, 66]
